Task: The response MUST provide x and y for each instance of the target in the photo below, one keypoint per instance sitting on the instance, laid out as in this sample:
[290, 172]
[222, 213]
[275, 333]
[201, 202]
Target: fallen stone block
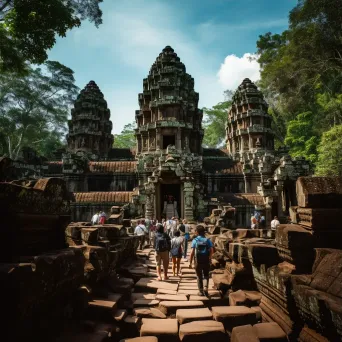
[165, 330]
[103, 304]
[245, 298]
[131, 326]
[270, 332]
[138, 295]
[120, 315]
[165, 297]
[148, 284]
[233, 316]
[258, 312]
[199, 331]
[190, 315]
[244, 333]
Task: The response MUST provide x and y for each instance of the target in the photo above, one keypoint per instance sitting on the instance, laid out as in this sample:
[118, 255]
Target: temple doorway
[168, 140]
[170, 201]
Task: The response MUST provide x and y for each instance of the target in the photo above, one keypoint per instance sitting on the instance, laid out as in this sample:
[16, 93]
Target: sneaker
[200, 293]
[206, 293]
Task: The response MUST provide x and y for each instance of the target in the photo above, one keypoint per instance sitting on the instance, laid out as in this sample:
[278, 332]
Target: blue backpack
[161, 243]
[202, 251]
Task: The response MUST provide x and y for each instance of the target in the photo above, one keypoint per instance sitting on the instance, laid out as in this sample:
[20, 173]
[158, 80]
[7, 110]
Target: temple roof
[103, 197]
[113, 166]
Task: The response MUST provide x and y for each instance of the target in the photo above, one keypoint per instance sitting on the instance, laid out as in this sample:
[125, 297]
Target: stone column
[188, 201]
[247, 185]
[158, 147]
[148, 141]
[179, 139]
[149, 202]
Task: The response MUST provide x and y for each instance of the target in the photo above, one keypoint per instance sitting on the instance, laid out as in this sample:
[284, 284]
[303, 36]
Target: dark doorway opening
[168, 140]
[170, 192]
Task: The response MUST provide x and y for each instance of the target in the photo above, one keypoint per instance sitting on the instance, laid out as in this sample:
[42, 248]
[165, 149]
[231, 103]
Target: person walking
[275, 223]
[141, 231]
[202, 250]
[176, 252]
[162, 246]
[95, 219]
[186, 238]
[103, 217]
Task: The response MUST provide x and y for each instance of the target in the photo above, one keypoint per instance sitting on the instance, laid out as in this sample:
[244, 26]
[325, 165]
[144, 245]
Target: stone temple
[169, 173]
[64, 279]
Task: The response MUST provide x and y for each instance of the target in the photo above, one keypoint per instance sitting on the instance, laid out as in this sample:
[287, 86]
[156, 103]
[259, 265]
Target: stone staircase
[172, 311]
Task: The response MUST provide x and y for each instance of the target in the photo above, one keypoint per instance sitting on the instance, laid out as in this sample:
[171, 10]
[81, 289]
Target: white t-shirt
[274, 224]
[95, 219]
[140, 230]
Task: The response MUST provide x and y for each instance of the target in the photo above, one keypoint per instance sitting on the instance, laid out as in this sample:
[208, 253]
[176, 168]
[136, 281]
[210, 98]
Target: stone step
[233, 316]
[131, 326]
[141, 339]
[103, 304]
[139, 295]
[166, 297]
[120, 315]
[202, 331]
[188, 292]
[166, 330]
[151, 285]
[146, 312]
[187, 287]
[145, 303]
[165, 291]
[244, 333]
[270, 332]
[170, 307]
[190, 315]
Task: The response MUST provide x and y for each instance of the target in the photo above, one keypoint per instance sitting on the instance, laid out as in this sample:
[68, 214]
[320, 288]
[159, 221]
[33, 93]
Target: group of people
[99, 218]
[201, 253]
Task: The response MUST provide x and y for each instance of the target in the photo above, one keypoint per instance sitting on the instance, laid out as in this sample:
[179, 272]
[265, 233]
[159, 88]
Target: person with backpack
[202, 251]
[162, 246]
[176, 252]
[141, 231]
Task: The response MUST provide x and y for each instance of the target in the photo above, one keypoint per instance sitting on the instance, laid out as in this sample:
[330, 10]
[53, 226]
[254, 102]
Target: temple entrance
[170, 201]
[168, 140]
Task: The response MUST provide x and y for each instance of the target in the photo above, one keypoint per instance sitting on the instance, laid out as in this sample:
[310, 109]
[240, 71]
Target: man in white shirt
[141, 231]
[95, 219]
[275, 223]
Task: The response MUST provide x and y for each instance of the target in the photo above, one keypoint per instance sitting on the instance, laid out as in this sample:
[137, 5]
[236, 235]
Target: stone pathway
[171, 310]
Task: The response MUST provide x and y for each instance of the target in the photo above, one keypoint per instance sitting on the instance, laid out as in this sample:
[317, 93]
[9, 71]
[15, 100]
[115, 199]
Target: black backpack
[182, 228]
[162, 243]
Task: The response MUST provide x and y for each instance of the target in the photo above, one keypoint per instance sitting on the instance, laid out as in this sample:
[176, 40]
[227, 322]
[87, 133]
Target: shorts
[161, 256]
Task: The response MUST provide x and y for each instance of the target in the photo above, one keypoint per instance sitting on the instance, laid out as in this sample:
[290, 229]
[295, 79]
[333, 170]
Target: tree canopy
[29, 28]
[34, 108]
[126, 138]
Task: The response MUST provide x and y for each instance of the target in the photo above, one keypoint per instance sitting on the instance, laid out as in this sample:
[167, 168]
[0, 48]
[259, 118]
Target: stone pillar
[148, 141]
[158, 140]
[247, 185]
[149, 202]
[188, 201]
[179, 139]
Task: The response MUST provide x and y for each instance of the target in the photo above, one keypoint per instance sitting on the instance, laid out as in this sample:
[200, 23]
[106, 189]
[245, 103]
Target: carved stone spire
[249, 124]
[169, 113]
[90, 126]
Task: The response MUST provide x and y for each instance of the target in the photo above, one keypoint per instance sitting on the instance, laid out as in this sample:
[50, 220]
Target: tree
[215, 120]
[126, 139]
[34, 107]
[330, 153]
[301, 137]
[28, 28]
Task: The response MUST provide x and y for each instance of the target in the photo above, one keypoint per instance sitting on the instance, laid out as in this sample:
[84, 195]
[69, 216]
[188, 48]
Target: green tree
[126, 139]
[301, 138]
[34, 107]
[29, 28]
[214, 122]
[330, 153]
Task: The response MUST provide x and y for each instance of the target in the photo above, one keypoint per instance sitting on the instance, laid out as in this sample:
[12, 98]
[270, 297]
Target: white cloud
[235, 69]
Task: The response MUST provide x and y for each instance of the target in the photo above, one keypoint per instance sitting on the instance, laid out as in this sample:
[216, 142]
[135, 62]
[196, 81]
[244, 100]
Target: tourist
[162, 246]
[163, 223]
[95, 219]
[176, 252]
[186, 238]
[275, 223]
[171, 226]
[202, 251]
[141, 231]
[103, 217]
[254, 223]
[262, 221]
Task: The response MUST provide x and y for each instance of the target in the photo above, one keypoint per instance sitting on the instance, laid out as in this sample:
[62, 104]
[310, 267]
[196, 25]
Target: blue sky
[213, 38]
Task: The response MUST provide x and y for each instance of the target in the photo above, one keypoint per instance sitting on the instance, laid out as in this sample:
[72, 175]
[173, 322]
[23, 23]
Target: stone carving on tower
[169, 135]
[90, 126]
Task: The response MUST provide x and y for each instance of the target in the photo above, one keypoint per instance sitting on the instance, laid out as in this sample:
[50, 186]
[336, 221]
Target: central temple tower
[169, 138]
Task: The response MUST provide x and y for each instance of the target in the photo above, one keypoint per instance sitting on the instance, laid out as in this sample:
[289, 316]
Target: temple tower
[168, 113]
[249, 124]
[169, 140]
[90, 126]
